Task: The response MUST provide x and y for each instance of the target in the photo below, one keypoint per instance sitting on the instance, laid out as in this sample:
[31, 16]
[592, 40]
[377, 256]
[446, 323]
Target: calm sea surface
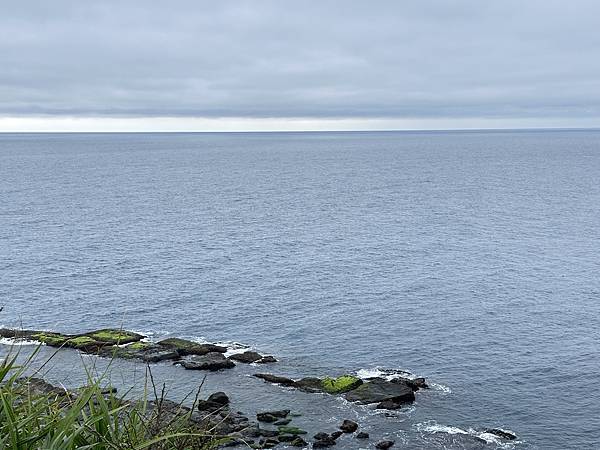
[470, 258]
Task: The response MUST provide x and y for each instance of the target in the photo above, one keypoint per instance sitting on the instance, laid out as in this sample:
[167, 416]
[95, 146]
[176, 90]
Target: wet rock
[267, 359]
[267, 443]
[320, 435]
[309, 384]
[389, 404]
[210, 361]
[348, 426]
[298, 442]
[384, 445]
[290, 430]
[326, 441]
[336, 434]
[275, 379]
[362, 435]
[502, 433]
[187, 348]
[246, 357]
[378, 390]
[286, 437]
[282, 422]
[414, 383]
[219, 398]
[266, 417]
[268, 433]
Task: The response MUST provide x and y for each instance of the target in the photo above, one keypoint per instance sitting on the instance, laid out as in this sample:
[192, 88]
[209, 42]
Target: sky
[126, 65]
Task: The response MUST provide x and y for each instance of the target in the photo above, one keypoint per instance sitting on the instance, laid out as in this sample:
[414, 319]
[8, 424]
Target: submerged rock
[378, 390]
[362, 435]
[323, 441]
[298, 442]
[273, 416]
[384, 445]
[502, 433]
[210, 361]
[275, 379]
[290, 430]
[349, 426]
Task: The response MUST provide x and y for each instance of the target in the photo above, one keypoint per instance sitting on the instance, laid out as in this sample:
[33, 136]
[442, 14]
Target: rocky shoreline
[270, 427]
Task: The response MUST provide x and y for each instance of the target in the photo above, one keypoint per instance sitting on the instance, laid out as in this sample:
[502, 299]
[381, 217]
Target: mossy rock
[113, 336]
[340, 384]
[51, 339]
[83, 343]
[139, 346]
[290, 430]
[185, 347]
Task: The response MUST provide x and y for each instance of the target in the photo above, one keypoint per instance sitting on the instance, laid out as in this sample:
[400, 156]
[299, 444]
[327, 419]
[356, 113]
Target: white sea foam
[19, 342]
[232, 346]
[388, 374]
[392, 374]
[433, 427]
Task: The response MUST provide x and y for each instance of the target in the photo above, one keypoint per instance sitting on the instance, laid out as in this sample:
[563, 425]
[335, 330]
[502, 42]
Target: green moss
[51, 339]
[341, 384]
[291, 430]
[138, 346]
[81, 341]
[110, 336]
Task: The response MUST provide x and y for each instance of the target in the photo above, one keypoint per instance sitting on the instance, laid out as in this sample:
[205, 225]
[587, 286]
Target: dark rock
[321, 435]
[290, 430]
[379, 390]
[502, 433]
[389, 404]
[186, 348]
[384, 445]
[267, 359]
[362, 435]
[336, 434]
[327, 441]
[282, 422]
[266, 417]
[282, 413]
[246, 357]
[160, 355]
[210, 361]
[349, 426]
[267, 443]
[219, 398]
[298, 442]
[268, 433]
[287, 437]
[275, 379]
[309, 384]
[415, 384]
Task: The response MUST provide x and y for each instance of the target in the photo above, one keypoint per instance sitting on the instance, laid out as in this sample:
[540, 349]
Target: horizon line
[391, 130]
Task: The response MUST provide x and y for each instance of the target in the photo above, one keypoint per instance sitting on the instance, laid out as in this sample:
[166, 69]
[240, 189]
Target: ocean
[470, 258]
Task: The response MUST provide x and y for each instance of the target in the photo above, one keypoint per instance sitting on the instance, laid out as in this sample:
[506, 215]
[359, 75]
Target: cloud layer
[316, 59]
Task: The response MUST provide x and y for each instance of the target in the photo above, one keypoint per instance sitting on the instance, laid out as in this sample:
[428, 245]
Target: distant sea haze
[470, 258]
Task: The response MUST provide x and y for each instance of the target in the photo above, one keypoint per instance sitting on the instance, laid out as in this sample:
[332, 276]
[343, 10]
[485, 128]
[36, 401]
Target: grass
[90, 418]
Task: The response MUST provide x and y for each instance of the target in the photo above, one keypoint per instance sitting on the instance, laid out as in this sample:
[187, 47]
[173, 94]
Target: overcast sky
[299, 65]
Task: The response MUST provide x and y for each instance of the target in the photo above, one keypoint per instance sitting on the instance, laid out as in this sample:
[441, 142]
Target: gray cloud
[334, 59]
